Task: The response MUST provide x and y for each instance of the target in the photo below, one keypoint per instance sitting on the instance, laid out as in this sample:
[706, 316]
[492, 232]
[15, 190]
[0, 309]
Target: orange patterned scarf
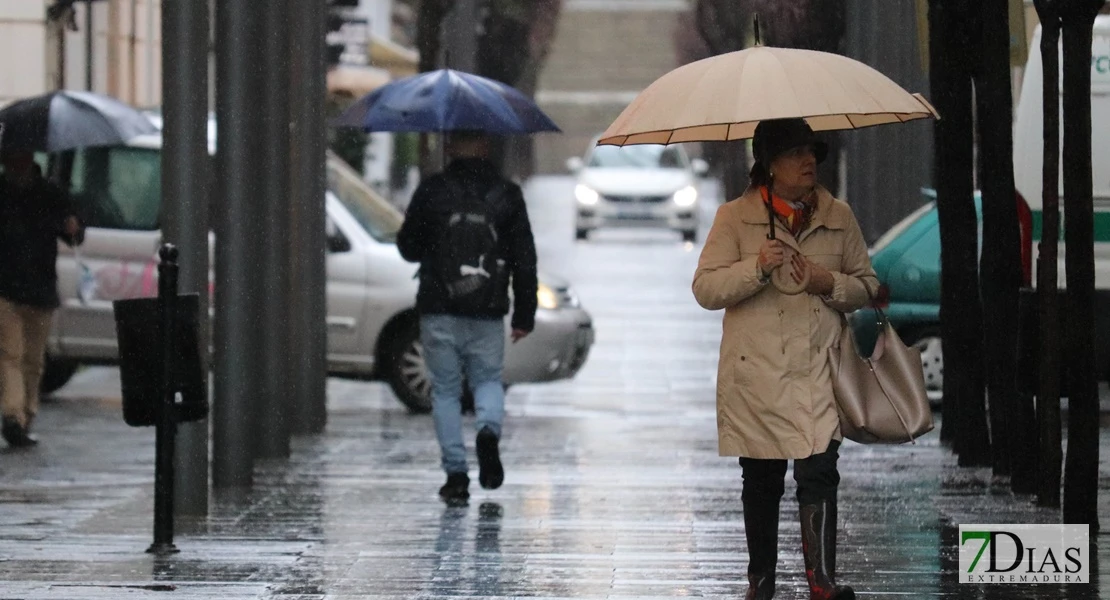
[796, 219]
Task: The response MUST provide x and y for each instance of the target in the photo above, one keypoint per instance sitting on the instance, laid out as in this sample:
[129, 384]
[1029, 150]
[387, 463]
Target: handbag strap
[880, 316]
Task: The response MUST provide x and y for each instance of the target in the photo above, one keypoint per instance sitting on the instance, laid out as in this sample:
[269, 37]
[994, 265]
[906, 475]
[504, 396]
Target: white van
[371, 291]
[1029, 147]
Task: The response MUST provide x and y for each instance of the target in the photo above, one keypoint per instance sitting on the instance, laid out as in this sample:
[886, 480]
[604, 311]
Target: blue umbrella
[447, 100]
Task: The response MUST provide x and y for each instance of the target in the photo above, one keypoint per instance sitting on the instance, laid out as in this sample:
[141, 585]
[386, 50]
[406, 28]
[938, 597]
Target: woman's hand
[71, 227]
[771, 256]
[72, 231]
[820, 279]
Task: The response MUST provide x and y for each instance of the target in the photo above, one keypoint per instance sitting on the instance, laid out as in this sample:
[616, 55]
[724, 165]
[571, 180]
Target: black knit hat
[776, 136]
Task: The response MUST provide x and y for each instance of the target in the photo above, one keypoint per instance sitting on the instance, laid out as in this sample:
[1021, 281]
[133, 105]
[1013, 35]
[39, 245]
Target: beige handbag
[881, 399]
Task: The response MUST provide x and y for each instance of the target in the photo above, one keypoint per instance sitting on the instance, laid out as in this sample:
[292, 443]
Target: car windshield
[638, 157]
[118, 187]
[379, 218]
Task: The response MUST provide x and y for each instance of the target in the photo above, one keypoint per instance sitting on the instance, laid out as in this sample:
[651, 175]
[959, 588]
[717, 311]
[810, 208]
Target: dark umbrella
[447, 100]
[65, 120]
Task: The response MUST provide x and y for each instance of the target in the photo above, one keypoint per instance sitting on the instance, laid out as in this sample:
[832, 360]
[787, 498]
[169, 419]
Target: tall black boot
[819, 552]
[761, 524]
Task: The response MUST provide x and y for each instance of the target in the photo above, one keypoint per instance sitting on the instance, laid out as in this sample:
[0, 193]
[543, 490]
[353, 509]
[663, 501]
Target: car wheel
[581, 234]
[56, 373]
[690, 235]
[932, 359]
[406, 371]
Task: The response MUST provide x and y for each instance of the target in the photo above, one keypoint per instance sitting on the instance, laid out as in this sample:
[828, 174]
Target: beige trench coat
[774, 390]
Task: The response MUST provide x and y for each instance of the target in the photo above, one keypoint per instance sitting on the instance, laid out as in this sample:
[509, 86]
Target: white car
[373, 330]
[636, 186]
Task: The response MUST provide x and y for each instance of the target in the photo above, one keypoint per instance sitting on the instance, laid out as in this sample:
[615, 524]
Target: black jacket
[421, 232]
[31, 223]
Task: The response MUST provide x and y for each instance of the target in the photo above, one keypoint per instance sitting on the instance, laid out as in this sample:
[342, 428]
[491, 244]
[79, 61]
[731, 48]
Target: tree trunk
[960, 309]
[1081, 468]
[724, 26]
[429, 22]
[519, 159]
[808, 25]
[732, 158]
[1000, 273]
[508, 28]
[1049, 452]
[828, 172]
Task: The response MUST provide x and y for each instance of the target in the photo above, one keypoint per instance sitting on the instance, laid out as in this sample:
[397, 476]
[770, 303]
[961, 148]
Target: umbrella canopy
[64, 120]
[724, 97]
[447, 100]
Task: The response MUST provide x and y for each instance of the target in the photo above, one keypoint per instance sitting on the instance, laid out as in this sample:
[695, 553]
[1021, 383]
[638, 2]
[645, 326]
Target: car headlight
[547, 297]
[586, 195]
[687, 196]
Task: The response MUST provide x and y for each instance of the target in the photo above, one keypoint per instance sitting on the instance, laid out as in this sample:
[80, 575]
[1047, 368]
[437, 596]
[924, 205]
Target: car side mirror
[699, 166]
[337, 242]
[574, 164]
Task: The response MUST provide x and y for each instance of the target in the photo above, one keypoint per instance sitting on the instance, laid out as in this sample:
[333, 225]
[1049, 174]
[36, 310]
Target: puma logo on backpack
[465, 270]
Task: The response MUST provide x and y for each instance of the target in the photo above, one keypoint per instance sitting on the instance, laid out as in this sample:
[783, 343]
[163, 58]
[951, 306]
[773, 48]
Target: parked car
[638, 186]
[372, 325]
[907, 262]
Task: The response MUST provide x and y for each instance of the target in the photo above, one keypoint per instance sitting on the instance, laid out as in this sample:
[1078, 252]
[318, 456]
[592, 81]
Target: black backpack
[469, 265]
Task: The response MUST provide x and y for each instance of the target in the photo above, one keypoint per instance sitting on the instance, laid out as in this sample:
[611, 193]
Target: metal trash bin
[140, 360]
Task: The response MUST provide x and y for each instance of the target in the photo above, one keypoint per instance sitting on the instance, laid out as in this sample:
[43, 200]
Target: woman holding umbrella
[785, 261]
[774, 387]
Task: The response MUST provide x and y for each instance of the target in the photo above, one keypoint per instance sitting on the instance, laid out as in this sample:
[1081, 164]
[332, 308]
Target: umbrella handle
[770, 209]
[779, 276]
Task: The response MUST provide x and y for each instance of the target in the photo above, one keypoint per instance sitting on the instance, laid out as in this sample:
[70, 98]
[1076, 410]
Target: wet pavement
[613, 486]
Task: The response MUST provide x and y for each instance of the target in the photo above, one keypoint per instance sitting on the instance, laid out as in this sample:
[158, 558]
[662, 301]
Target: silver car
[639, 186]
[373, 330]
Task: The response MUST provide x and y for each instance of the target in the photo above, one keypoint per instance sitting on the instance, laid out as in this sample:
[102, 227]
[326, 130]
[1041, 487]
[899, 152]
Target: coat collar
[754, 212]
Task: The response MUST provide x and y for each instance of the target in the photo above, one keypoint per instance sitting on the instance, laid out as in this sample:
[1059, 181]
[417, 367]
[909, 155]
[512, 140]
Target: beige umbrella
[724, 97]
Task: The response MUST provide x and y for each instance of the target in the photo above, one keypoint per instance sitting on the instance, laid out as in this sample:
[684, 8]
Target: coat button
[743, 358]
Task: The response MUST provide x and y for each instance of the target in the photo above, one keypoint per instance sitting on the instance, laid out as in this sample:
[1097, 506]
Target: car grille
[637, 199]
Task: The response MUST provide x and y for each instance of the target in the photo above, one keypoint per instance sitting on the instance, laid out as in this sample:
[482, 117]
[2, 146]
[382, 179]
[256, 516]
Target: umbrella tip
[756, 29]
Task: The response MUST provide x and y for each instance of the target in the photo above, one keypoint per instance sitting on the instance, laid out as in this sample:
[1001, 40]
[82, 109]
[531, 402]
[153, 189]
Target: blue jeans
[454, 348]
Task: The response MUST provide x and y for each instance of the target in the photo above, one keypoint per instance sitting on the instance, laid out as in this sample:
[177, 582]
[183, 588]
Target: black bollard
[166, 426]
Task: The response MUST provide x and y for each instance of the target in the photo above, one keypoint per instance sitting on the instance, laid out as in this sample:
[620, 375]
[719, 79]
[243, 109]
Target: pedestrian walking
[469, 230]
[34, 214]
[774, 387]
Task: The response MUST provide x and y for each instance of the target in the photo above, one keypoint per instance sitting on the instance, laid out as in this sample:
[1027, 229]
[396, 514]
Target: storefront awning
[355, 80]
[399, 60]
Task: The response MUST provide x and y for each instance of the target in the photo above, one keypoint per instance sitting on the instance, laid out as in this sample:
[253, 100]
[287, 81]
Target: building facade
[604, 53]
[108, 46]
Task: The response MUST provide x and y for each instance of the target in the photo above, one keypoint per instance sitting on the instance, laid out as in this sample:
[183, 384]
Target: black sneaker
[16, 435]
[456, 491]
[490, 472]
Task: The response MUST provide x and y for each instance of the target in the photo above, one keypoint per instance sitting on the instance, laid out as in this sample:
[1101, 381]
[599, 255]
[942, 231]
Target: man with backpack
[469, 230]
